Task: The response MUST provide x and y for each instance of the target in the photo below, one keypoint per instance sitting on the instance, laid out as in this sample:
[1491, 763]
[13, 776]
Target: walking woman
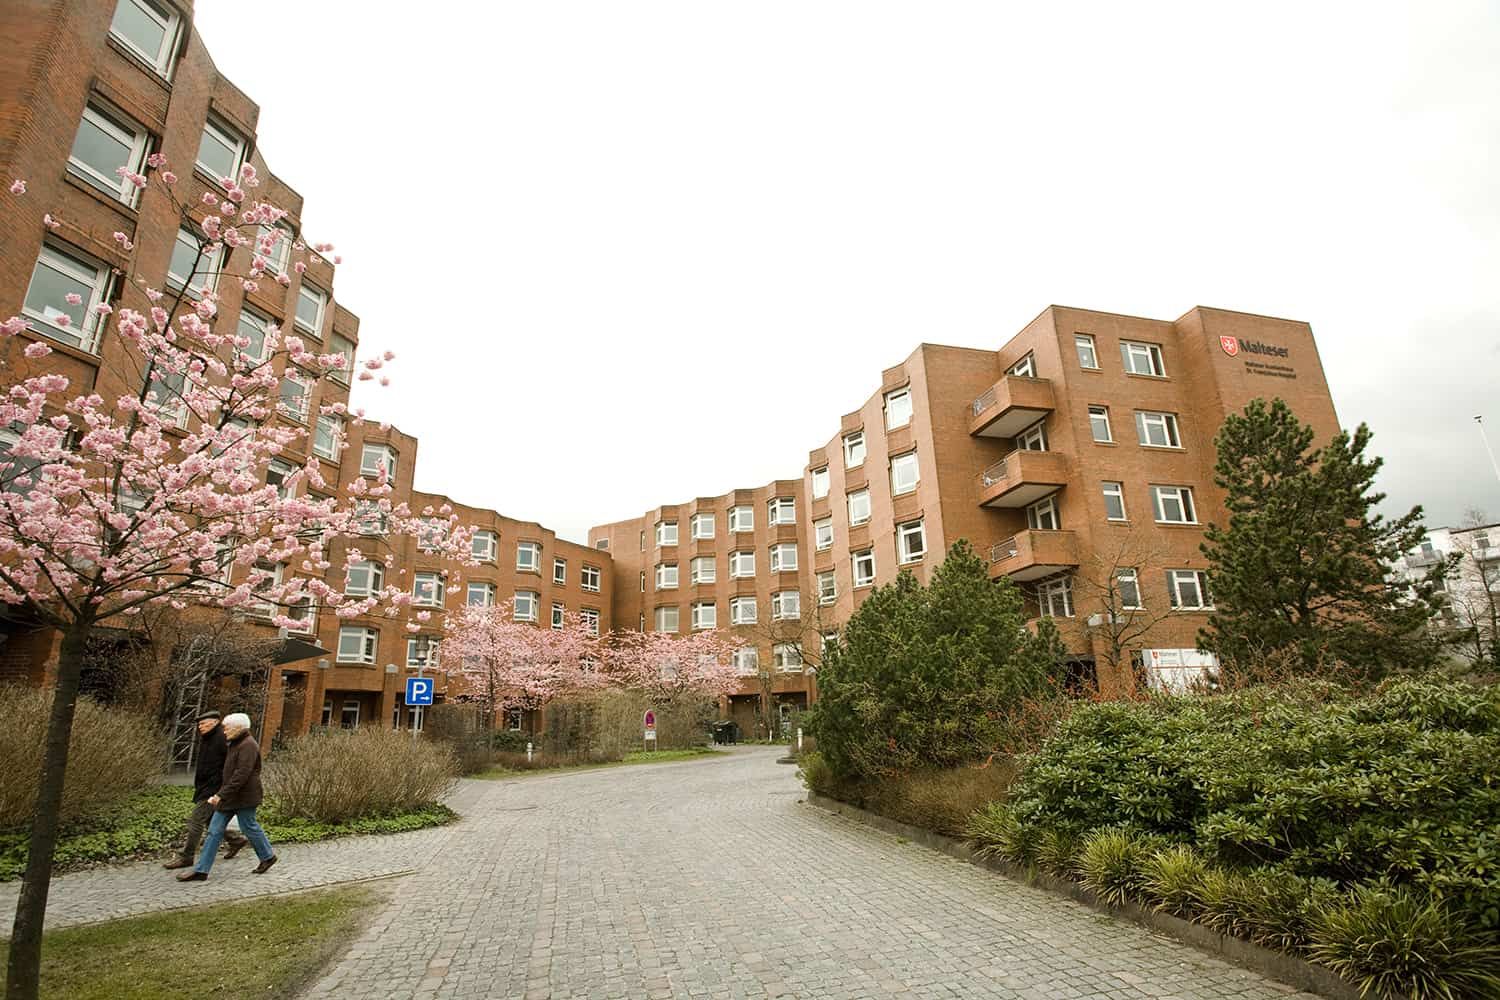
[238, 796]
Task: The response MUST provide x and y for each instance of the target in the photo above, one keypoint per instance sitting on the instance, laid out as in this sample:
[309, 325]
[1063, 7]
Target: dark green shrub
[994, 833]
[1172, 880]
[1390, 942]
[1109, 865]
[926, 677]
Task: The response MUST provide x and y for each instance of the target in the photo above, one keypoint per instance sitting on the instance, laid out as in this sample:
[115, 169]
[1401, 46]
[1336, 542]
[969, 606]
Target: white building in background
[1472, 588]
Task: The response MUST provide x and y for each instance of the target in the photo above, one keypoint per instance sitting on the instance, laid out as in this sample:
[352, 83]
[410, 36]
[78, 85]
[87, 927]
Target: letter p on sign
[419, 690]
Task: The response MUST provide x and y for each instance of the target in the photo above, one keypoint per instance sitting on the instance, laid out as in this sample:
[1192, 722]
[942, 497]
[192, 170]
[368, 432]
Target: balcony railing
[1022, 477]
[1034, 554]
[984, 401]
[995, 473]
[1006, 549]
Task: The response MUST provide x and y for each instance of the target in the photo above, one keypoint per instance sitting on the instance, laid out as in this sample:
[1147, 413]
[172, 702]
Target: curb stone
[1277, 965]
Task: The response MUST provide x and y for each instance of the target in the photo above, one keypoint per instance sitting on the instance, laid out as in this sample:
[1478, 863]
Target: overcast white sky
[579, 222]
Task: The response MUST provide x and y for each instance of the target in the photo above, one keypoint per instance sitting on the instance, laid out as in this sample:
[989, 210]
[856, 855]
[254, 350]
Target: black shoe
[261, 868]
[193, 877]
[235, 847]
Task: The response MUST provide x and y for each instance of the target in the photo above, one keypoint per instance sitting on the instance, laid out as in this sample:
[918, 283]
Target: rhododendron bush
[114, 502]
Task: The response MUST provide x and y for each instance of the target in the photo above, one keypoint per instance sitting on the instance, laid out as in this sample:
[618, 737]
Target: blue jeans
[248, 826]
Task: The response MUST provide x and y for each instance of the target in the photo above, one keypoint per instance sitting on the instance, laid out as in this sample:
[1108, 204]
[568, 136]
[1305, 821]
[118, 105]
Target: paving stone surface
[711, 879]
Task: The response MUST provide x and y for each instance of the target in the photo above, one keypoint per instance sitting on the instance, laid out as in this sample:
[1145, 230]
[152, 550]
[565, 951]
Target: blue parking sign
[419, 690]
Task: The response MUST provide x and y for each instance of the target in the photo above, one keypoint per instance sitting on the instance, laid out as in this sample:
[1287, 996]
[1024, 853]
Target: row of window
[1153, 429]
[785, 657]
[911, 546]
[1169, 505]
[1187, 590]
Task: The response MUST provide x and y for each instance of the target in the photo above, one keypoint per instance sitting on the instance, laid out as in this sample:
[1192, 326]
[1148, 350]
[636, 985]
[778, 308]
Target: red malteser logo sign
[1231, 346]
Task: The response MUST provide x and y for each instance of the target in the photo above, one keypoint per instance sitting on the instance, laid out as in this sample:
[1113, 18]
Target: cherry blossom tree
[667, 666]
[520, 663]
[114, 502]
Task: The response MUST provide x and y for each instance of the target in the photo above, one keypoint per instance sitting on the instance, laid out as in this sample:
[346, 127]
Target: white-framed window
[666, 532]
[301, 610]
[422, 651]
[864, 568]
[1087, 356]
[743, 611]
[342, 346]
[911, 541]
[742, 518]
[823, 533]
[104, 143]
[741, 564]
[668, 618]
[427, 590]
[357, 644]
[525, 606]
[220, 151]
[164, 395]
[252, 327]
[859, 507]
[1099, 424]
[703, 526]
[1033, 438]
[904, 473]
[529, 557]
[784, 557]
[559, 571]
[484, 545]
[513, 719]
[1173, 505]
[57, 275]
[786, 656]
[431, 532]
[1114, 501]
[897, 409]
[369, 519]
[854, 449]
[1188, 589]
[786, 605]
[589, 577]
[828, 641]
[295, 397]
[274, 243]
[266, 576]
[311, 304]
[782, 510]
[1128, 586]
[589, 617]
[643, 581]
[820, 483]
[480, 595]
[279, 475]
[559, 615]
[705, 615]
[828, 587]
[666, 576]
[602, 543]
[703, 570]
[327, 434]
[1157, 430]
[194, 265]
[1026, 367]
[374, 457]
[746, 661]
[1142, 359]
[150, 30]
[1042, 515]
[1054, 598]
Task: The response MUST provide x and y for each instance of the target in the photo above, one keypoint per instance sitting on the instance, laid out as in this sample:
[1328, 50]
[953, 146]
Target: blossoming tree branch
[157, 496]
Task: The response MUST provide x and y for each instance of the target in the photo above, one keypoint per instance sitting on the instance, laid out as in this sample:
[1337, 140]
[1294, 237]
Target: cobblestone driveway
[698, 879]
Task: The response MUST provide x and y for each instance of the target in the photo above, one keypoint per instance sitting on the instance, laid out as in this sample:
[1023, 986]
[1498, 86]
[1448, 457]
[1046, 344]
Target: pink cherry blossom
[49, 221]
[37, 349]
[18, 186]
[73, 298]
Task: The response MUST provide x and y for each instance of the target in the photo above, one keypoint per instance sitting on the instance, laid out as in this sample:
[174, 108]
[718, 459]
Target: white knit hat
[238, 721]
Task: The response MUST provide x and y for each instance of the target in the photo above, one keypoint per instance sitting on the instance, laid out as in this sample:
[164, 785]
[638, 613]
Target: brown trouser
[196, 824]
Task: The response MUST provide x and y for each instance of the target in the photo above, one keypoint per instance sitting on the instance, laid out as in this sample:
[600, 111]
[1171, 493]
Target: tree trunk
[23, 976]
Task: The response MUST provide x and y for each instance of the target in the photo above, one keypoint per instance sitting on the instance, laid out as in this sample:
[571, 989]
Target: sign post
[418, 694]
[649, 723]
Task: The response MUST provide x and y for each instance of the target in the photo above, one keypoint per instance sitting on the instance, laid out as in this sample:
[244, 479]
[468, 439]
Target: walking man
[237, 797]
[207, 776]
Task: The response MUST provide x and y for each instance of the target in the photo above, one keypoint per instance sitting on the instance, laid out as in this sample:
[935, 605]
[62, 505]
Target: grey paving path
[710, 879]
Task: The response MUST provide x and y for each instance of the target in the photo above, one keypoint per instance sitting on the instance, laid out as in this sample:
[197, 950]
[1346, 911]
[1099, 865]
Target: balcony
[1032, 555]
[1010, 406]
[1022, 477]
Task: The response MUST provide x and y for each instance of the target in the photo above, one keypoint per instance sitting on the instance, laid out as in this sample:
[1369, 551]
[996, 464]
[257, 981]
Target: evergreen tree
[1303, 568]
[927, 677]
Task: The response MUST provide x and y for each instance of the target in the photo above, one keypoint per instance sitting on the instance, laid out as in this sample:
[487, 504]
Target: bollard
[799, 739]
[528, 753]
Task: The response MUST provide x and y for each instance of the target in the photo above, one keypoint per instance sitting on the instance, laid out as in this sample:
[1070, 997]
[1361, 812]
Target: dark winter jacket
[209, 774]
[241, 788]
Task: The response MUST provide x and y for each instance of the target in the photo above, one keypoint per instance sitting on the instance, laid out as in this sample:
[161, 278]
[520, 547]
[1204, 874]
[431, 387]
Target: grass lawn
[634, 757]
[151, 822]
[256, 947]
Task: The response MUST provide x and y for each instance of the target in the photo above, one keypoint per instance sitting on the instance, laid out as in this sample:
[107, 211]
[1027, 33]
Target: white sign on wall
[1179, 671]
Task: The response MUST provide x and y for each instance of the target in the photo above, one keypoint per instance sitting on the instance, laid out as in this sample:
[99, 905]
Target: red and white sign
[1231, 345]
[650, 720]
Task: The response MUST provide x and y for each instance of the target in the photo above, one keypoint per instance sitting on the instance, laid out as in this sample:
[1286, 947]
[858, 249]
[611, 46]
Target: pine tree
[1301, 572]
